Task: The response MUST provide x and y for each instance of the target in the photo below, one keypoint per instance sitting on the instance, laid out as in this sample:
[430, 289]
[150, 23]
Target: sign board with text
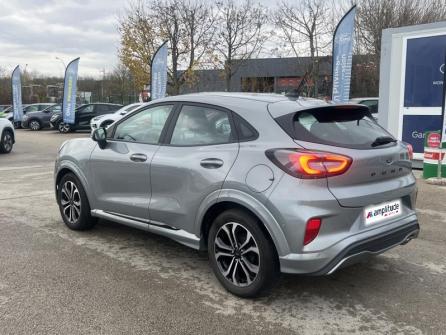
[411, 82]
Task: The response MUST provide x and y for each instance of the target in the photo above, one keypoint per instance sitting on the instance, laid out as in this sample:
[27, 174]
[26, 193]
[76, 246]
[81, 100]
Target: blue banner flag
[16, 83]
[70, 91]
[158, 73]
[342, 57]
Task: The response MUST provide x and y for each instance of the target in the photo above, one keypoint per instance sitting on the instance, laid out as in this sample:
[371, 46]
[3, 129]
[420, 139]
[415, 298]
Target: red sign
[433, 155]
[434, 140]
[288, 81]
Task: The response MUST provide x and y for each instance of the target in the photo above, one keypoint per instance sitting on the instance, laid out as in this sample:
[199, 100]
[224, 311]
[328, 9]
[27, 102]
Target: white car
[107, 119]
[7, 138]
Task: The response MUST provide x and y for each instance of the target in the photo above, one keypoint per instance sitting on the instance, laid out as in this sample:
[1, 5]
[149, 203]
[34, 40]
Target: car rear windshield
[341, 126]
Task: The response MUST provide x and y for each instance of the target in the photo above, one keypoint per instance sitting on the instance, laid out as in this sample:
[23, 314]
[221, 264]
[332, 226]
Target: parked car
[83, 116]
[28, 109]
[108, 119]
[3, 107]
[41, 119]
[5, 112]
[9, 114]
[7, 138]
[372, 103]
[264, 183]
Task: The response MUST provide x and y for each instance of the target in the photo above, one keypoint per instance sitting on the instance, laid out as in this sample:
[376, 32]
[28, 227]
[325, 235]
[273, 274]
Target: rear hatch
[381, 169]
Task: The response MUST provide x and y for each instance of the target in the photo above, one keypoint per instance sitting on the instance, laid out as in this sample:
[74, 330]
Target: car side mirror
[100, 136]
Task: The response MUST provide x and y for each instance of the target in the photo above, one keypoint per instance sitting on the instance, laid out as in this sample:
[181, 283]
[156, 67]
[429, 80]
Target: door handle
[138, 157]
[211, 163]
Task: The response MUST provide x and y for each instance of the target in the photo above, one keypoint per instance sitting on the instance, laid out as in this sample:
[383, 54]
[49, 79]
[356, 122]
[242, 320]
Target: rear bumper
[352, 249]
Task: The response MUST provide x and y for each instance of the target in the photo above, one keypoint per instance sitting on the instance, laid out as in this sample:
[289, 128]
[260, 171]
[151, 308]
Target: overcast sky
[35, 32]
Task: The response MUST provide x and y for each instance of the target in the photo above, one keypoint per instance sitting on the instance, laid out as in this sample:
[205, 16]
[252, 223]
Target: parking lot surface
[114, 279]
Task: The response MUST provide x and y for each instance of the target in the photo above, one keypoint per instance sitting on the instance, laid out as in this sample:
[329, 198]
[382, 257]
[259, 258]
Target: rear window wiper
[383, 140]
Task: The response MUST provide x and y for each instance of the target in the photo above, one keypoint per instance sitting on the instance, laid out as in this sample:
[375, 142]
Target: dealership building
[278, 75]
[411, 82]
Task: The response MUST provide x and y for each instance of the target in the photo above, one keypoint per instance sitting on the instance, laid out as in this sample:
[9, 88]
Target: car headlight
[53, 118]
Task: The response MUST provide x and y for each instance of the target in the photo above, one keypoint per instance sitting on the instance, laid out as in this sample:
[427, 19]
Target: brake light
[312, 230]
[309, 164]
[410, 150]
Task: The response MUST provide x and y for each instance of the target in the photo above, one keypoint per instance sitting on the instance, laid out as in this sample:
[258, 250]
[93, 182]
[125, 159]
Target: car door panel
[122, 184]
[182, 176]
[180, 182]
[121, 171]
[82, 115]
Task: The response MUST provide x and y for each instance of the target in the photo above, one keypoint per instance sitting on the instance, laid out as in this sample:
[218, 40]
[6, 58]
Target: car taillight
[309, 164]
[410, 150]
[312, 230]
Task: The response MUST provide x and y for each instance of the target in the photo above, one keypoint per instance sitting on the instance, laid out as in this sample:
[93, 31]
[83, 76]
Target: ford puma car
[265, 184]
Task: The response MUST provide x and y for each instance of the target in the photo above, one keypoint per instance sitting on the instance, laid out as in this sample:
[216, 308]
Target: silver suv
[264, 183]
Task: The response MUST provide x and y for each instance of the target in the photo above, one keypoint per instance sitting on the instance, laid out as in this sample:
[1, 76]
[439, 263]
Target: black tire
[6, 141]
[266, 261]
[17, 125]
[105, 124]
[34, 124]
[75, 220]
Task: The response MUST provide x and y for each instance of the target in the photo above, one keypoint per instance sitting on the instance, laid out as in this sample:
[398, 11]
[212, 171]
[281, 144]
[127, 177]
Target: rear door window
[341, 126]
[198, 125]
[102, 109]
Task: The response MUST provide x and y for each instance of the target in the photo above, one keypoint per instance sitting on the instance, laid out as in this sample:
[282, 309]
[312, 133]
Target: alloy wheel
[34, 125]
[70, 201]
[7, 142]
[64, 128]
[237, 254]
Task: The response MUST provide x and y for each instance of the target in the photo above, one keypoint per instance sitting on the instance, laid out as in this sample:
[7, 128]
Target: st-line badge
[381, 212]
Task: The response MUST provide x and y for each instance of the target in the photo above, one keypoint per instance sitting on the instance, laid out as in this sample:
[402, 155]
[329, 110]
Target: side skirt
[159, 228]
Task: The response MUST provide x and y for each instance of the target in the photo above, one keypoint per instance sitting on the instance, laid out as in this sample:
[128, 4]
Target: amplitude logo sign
[382, 212]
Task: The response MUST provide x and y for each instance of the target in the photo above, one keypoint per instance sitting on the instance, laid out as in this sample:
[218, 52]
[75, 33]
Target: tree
[241, 34]
[306, 25]
[138, 40]
[5, 87]
[187, 25]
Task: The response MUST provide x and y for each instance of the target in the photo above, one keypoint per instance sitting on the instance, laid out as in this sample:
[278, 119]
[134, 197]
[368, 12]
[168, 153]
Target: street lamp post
[63, 63]
[61, 60]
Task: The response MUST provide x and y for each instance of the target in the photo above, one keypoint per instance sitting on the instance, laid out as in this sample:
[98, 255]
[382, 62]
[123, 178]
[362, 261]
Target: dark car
[28, 109]
[372, 103]
[83, 116]
[41, 119]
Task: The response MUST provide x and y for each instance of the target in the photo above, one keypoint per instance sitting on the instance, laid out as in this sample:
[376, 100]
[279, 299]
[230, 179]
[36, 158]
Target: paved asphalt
[115, 280]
